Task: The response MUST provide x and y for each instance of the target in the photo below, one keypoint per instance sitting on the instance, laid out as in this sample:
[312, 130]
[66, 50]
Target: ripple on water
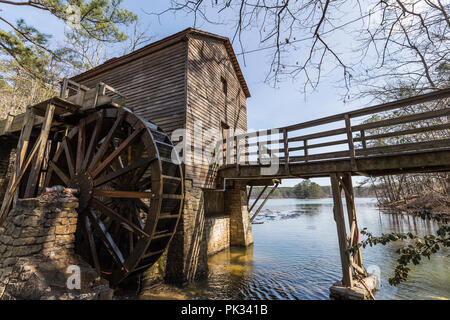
[295, 256]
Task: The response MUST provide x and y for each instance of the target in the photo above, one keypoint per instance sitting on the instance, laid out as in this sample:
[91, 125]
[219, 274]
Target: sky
[268, 107]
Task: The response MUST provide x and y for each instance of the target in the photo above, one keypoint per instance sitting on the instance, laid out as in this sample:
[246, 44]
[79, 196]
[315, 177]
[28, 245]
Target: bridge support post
[338, 211]
[236, 203]
[351, 260]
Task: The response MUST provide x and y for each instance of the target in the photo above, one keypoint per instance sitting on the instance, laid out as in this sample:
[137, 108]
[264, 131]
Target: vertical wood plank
[338, 211]
[286, 150]
[36, 168]
[259, 148]
[9, 195]
[80, 145]
[22, 146]
[8, 123]
[351, 145]
[352, 217]
[305, 145]
[21, 152]
[363, 139]
[63, 91]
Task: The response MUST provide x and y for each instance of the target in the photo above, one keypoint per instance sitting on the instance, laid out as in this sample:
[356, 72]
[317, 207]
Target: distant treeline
[310, 190]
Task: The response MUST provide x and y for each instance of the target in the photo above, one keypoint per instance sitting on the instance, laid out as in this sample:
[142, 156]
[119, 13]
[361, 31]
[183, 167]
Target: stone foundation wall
[187, 257]
[241, 234]
[36, 248]
[217, 234]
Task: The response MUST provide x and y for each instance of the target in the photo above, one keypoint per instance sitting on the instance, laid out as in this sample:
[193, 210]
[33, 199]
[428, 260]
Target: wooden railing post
[351, 145]
[286, 150]
[64, 86]
[258, 154]
[224, 151]
[305, 145]
[363, 139]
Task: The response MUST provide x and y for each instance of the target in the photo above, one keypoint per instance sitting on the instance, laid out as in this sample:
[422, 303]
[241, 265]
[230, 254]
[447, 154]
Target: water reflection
[230, 272]
[295, 256]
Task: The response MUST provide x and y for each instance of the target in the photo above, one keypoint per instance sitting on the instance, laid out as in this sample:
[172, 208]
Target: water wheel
[130, 191]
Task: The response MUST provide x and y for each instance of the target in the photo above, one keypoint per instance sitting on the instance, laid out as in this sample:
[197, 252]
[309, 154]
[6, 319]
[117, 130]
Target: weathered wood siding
[208, 63]
[180, 85]
[153, 84]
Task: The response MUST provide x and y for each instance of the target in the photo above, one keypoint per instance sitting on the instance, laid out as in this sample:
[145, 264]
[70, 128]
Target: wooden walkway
[392, 138]
[396, 140]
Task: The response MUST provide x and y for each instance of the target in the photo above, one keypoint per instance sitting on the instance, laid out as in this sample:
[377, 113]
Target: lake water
[296, 256]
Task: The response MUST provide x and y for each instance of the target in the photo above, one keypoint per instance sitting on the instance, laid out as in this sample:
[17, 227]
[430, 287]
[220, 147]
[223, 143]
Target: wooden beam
[352, 218]
[36, 168]
[264, 202]
[262, 182]
[7, 200]
[286, 149]
[22, 147]
[338, 210]
[351, 145]
[257, 199]
[8, 124]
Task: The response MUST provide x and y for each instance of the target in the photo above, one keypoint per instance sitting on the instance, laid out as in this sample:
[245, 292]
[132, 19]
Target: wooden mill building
[189, 79]
[190, 86]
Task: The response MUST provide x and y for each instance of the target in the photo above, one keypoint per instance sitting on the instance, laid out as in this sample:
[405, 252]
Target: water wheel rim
[84, 169]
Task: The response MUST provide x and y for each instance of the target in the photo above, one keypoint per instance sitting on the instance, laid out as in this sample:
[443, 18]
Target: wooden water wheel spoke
[107, 240]
[142, 170]
[81, 144]
[118, 173]
[113, 160]
[141, 185]
[136, 214]
[131, 233]
[59, 173]
[140, 173]
[106, 141]
[142, 205]
[93, 141]
[88, 233]
[102, 166]
[69, 159]
[123, 194]
[116, 216]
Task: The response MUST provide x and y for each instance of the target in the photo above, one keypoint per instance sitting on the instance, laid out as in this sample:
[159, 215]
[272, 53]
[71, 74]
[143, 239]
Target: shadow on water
[295, 256]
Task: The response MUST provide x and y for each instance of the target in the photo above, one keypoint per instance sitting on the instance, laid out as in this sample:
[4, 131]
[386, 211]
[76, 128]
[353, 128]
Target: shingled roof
[163, 43]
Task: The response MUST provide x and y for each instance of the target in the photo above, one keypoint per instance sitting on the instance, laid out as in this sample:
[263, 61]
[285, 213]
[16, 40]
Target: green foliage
[307, 189]
[31, 49]
[416, 247]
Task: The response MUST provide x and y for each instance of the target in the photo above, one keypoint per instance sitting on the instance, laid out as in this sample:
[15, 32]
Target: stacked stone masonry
[36, 249]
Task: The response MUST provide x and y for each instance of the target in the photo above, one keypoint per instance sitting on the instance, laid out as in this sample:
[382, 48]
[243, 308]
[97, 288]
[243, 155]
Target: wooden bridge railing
[359, 133]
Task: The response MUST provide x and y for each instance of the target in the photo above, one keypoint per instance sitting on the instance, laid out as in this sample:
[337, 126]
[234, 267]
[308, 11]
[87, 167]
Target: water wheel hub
[84, 183]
